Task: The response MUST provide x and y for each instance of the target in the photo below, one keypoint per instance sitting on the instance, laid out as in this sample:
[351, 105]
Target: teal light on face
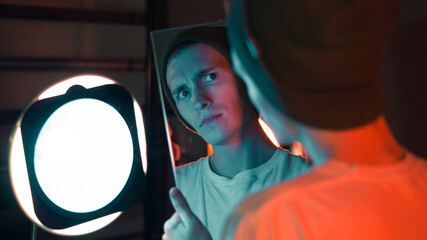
[83, 155]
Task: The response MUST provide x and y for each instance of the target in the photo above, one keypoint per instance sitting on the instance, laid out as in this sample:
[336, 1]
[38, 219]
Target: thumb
[180, 205]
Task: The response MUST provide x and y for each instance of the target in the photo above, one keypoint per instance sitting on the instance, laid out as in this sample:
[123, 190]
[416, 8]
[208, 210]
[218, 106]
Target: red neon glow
[210, 149]
[268, 132]
[296, 148]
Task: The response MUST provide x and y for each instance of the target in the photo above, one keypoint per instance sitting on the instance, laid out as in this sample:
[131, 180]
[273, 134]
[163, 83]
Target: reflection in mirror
[209, 106]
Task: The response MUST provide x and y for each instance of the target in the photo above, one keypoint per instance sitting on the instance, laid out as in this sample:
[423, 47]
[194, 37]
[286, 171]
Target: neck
[248, 148]
[372, 143]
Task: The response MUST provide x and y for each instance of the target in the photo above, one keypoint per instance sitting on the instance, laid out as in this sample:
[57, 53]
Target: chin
[217, 138]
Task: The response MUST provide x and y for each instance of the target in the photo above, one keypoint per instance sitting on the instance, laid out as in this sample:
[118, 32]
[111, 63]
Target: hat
[215, 37]
[316, 62]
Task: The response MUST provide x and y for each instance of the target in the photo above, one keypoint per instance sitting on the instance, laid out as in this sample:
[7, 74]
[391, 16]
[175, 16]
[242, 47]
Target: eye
[183, 94]
[209, 77]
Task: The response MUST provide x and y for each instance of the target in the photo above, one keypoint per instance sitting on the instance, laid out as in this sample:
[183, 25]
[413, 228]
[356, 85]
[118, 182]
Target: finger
[172, 222]
[164, 236]
[181, 205]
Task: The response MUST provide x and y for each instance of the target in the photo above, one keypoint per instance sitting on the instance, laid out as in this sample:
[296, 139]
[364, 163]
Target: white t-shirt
[212, 197]
[339, 200]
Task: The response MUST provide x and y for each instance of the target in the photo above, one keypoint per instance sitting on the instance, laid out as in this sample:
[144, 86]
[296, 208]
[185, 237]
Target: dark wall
[404, 77]
[188, 12]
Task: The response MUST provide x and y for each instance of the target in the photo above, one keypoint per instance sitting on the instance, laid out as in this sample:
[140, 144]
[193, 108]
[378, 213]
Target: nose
[201, 100]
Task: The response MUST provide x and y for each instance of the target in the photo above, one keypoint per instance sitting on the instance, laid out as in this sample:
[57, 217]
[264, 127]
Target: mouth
[210, 118]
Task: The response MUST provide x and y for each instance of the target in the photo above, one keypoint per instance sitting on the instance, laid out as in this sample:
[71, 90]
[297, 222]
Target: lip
[210, 118]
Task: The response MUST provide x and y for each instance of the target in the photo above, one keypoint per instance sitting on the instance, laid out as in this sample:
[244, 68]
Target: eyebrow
[198, 76]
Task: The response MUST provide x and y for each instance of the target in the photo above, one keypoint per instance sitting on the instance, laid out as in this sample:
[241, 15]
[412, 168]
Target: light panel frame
[39, 208]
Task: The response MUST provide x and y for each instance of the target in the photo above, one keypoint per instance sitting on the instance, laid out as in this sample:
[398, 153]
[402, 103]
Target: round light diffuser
[78, 155]
[95, 145]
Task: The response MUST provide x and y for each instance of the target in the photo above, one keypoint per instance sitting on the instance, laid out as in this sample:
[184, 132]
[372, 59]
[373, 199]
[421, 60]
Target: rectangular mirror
[221, 149]
[186, 145]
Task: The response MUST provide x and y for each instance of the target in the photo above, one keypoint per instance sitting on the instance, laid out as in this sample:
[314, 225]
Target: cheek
[231, 99]
[187, 113]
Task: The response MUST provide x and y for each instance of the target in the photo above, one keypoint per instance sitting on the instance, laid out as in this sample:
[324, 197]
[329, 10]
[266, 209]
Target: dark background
[42, 42]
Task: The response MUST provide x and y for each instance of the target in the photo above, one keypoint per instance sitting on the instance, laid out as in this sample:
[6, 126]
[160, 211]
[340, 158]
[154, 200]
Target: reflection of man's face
[268, 113]
[205, 90]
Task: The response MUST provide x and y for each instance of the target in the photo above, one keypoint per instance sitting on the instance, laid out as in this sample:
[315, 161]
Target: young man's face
[277, 122]
[205, 90]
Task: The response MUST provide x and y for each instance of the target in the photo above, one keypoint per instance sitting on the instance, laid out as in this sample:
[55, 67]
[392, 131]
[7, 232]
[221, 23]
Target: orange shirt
[339, 201]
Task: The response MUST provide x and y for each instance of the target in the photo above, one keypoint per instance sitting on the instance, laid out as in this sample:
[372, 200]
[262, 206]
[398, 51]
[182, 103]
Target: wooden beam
[71, 14]
[43, 64]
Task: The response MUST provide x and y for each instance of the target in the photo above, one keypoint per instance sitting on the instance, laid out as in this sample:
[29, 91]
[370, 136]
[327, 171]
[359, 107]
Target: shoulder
[296, 164]
[259, 209]
[418, 165]
[189, 172]
[295, 159]
[419, 161]
[283, 192]
[276, 201]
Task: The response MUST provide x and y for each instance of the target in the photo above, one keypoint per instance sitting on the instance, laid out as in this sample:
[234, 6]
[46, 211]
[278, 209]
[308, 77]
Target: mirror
[187, 145]
[78, 155]
[223, 151]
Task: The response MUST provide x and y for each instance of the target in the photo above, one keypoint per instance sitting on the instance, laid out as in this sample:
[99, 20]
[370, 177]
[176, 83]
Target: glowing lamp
[78, 155]
[267, 130]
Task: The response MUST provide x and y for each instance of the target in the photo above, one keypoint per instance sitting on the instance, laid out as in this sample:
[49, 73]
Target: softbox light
[78, 156]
